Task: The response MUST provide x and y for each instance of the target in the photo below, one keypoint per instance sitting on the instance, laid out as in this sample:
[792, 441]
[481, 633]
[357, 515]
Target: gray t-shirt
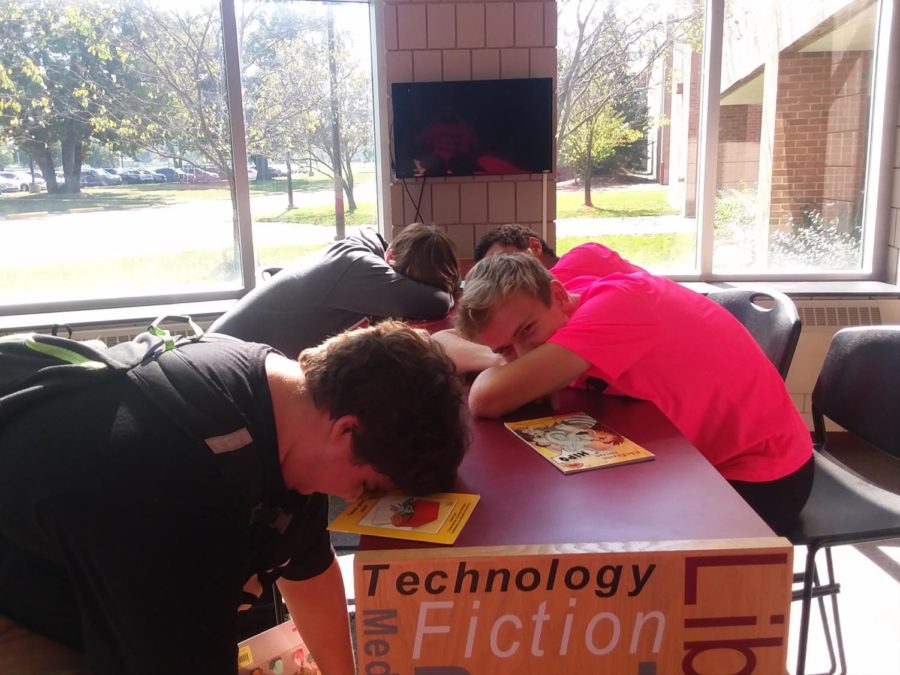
[309, 301]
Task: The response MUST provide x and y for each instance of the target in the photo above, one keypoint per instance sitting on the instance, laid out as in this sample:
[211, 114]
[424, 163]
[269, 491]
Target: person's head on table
[647, 337]
[387, 401]
[512, 304]
[514, 238]
[424, 253]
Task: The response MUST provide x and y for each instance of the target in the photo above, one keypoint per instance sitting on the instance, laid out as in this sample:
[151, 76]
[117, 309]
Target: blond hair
[492, 280]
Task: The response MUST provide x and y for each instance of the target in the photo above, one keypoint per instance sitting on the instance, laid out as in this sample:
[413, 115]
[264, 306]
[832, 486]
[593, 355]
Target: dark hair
[510, 235]
[404, 391]
[427, 255]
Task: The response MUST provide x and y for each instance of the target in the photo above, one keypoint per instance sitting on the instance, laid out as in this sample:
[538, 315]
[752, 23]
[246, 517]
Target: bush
[817, 244]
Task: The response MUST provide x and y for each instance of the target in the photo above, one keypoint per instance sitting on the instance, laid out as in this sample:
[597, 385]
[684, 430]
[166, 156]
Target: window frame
[883, 122]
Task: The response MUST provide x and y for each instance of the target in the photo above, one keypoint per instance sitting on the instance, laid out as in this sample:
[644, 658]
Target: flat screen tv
[472, 127]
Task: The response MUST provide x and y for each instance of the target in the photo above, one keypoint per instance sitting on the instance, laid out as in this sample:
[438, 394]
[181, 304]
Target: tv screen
[473, 127]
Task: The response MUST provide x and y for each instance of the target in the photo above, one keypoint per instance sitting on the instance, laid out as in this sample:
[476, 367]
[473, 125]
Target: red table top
[525, 500]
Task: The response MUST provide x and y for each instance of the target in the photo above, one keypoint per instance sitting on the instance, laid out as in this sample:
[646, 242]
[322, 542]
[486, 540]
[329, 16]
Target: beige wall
[433, 41]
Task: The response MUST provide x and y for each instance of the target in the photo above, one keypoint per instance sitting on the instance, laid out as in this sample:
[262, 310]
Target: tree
[59, 68]
[356, 130]
[284, 76]
[604, 60]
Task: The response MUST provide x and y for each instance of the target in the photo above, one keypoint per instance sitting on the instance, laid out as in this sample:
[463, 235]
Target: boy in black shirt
[123, 539]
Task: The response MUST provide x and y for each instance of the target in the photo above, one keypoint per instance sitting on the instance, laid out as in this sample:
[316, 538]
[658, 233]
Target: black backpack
[35, 365]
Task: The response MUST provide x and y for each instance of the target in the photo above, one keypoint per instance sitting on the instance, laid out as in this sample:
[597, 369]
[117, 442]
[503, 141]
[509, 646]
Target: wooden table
[524, 500]
[641, 569]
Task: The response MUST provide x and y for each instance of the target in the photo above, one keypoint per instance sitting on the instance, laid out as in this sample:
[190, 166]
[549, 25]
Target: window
[767, 177]
[140, 186]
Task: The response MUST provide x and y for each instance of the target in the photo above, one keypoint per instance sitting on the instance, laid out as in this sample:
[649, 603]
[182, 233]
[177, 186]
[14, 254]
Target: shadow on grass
[63, 203]
[631, 212]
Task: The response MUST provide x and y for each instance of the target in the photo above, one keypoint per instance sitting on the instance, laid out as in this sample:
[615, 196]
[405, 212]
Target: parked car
[91, 177]
[202, 175]
[172, 175]
[8, 184]
[23, 179]
[278, 171]
[132, 176]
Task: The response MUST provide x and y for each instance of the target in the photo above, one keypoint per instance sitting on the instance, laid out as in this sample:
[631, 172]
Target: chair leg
[806, 601]
[837, 617]
[823, 615]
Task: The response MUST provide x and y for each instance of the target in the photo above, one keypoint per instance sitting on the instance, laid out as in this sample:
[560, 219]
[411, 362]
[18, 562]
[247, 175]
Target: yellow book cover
[577, 442]
[436, 518]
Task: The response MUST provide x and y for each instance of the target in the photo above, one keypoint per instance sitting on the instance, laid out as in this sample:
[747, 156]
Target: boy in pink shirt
[646, 337]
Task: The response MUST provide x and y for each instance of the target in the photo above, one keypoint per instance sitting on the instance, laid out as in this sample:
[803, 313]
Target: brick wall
[820, 135]
[433, 41]
[738, 162]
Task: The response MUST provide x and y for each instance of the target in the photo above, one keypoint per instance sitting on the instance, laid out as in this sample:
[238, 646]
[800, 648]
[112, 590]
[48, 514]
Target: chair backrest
[775, 328]
[858, 388]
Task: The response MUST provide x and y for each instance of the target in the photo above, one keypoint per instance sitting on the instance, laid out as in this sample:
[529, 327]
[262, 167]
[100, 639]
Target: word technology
[645, 611]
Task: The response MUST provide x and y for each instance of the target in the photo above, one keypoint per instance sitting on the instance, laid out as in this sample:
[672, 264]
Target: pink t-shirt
[651, 339]
[591, 260]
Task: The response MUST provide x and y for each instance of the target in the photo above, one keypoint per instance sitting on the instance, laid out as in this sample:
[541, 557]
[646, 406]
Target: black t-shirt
[316, 298]
[122, 537]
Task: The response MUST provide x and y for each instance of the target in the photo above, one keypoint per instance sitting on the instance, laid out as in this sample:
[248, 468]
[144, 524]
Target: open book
[277, 650]
[577, 442]
[437, 518]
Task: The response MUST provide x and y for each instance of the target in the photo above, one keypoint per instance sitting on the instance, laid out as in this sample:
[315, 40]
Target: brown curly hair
[404, 391]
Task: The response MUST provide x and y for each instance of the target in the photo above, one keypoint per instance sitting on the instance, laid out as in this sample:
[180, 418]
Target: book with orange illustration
[436, 518]
[276, 650]
[577, 442]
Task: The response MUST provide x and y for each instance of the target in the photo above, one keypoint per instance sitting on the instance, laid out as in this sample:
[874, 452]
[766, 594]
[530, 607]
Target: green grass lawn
[613, 204]
[112, 198]
[322, 214]
[656, 251]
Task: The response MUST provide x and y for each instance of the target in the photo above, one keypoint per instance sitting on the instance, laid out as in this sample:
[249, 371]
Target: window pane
[121, 108]
[307, 77]
[793, 132]
[628, 91]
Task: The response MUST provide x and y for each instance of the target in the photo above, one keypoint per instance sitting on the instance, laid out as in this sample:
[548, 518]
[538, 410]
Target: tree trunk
[335, 132]
[586, 181]
[70, 149]
[588, 169]
[290, 184]
[42, 157]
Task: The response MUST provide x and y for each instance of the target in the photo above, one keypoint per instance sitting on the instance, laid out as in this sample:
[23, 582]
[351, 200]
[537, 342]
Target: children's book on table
[576, 442]
[279, 650]
[437, 518]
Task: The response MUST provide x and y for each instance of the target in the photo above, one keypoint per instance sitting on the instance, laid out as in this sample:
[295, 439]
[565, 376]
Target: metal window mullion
[708, 139]
[243, 225]
[876, 222]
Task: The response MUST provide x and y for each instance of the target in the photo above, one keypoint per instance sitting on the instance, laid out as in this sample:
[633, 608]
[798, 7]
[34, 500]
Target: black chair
[856, 389]
[774, 324]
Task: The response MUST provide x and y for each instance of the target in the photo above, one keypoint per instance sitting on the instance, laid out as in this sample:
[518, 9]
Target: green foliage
[817, 244]
[59, 70]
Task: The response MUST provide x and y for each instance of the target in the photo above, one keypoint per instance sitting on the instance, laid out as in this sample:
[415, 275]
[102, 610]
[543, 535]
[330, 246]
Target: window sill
[115, 316]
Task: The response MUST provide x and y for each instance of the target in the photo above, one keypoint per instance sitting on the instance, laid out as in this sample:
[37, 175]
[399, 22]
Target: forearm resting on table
[318, 607]
[467, 356]
[541, 372]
